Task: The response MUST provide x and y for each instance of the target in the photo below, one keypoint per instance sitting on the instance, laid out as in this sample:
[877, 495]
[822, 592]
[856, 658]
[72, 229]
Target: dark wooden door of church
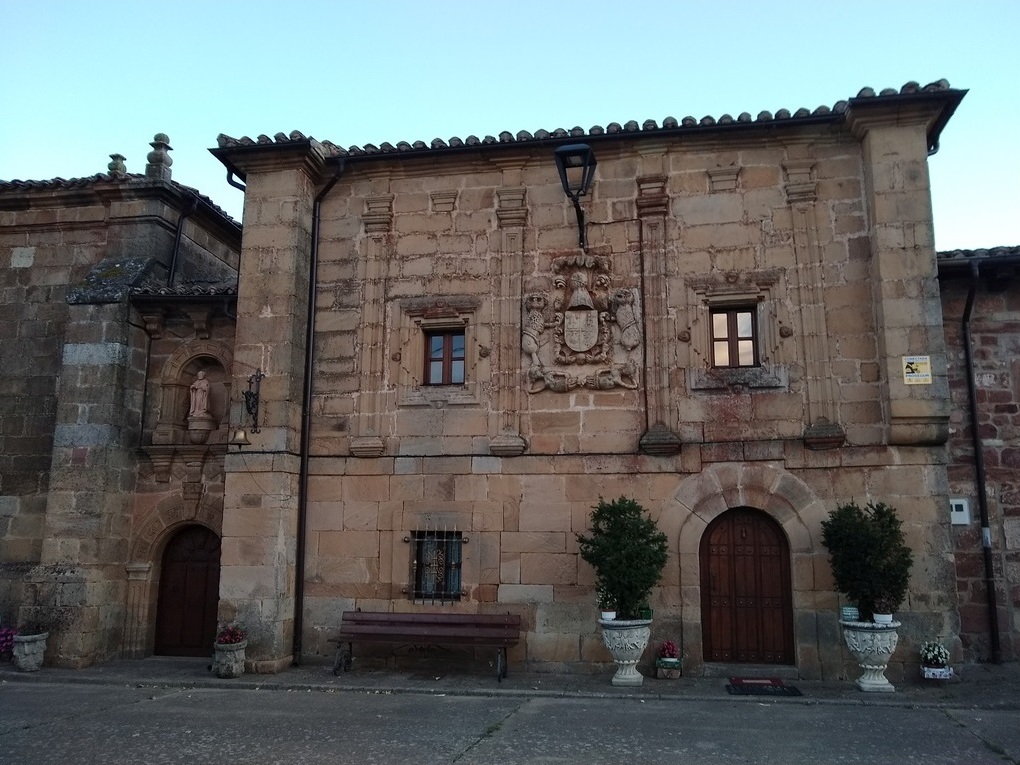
[189, 586]
[746, 597]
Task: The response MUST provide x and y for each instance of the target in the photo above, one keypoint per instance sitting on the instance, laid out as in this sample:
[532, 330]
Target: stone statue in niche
[199, 396]
[595, 330]
[200, 421]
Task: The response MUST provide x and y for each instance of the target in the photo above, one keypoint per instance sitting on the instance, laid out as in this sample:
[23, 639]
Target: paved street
[45, 722]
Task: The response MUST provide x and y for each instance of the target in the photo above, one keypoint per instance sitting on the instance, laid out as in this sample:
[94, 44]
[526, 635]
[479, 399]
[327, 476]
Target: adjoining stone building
[981, 310]
[116, 289]
[443, 382]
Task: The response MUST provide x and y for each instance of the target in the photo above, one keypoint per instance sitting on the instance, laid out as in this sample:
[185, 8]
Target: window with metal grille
[734, 337]
[435, 565]
[444, 360]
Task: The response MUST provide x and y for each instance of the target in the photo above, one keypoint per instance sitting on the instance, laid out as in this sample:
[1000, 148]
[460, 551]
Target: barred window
[435, 565]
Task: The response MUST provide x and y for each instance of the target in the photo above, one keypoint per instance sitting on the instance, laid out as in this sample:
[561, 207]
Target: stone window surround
[758, 290]
[418, 317]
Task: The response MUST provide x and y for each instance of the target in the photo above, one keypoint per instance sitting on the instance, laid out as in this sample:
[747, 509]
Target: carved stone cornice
[508, 445]
[659, 441]
[368, 446]
[511, 209]
[800, 187]
[652, 197]
[378, 215]
[443, 201]
[153, 320]
[723, 178]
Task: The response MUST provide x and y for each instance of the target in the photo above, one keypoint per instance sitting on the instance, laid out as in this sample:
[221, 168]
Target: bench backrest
[426, 618]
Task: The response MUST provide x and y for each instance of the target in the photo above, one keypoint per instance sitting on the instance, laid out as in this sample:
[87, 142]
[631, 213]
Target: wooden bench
[499, 630]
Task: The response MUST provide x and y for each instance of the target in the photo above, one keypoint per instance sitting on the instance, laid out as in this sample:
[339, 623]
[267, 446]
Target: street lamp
[576, 163]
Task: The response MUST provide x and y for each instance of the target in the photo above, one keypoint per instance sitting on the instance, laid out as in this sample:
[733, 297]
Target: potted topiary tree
[870, 564]
[628, 553]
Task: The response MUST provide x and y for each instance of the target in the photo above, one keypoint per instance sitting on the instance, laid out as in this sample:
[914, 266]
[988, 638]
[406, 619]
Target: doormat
[760, 686]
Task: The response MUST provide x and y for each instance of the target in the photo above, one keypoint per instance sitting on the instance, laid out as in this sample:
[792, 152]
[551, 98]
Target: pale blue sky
[83, 79]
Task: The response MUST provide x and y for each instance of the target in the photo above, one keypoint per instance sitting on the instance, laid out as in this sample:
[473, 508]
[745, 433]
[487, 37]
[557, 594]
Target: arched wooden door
[189, 587]
[746, 597]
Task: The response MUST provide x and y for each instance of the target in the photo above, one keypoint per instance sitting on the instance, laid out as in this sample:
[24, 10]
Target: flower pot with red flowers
[669, 663]
[228, 652]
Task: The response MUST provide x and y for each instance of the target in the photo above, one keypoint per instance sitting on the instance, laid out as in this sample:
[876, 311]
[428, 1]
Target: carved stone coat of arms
[583, 333]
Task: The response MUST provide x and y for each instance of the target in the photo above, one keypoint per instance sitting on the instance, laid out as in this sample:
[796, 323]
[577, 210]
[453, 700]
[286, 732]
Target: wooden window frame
[448, 359]
[733, 338]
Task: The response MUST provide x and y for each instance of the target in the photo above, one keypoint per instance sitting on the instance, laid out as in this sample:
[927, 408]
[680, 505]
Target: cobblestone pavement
[175, 711]
[983, 686]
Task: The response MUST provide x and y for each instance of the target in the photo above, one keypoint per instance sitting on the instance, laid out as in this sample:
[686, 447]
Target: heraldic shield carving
[583, 333]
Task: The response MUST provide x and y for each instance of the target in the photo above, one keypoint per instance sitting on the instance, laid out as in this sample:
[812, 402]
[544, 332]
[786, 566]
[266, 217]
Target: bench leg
[501, 664]
[344, 655]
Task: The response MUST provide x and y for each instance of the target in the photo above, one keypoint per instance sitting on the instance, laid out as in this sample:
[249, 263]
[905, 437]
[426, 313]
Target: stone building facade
[107, 283]
[439, 382]
[981, 310]
[476, 375]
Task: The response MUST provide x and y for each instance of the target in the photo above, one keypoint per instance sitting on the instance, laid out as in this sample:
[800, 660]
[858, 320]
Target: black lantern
[251, 399]
[576, 163]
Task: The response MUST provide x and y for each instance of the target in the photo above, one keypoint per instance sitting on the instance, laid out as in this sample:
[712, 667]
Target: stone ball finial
[158, 159]
[117, 166]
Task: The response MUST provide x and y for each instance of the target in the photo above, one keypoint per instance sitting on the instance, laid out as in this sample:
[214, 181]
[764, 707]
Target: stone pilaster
[378, 221]
[652, 206]
[822, 429]
[908, 314]
[259, 542]
[136, 620]
[511, 213]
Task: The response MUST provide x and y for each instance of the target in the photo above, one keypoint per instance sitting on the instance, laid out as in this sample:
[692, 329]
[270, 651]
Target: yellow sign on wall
[917, 370]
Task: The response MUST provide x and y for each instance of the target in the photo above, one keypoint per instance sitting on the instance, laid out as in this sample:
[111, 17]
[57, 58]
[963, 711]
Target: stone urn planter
[228, 659]
[872, 645]
[29, 651]
[626, 640]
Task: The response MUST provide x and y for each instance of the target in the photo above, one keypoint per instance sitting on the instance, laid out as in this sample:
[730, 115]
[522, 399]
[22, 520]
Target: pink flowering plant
[230, 635]
[669, 654]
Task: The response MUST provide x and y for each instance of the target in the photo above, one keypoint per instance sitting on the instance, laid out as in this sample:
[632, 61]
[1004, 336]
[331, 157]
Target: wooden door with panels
[189, 591]
[746, 593]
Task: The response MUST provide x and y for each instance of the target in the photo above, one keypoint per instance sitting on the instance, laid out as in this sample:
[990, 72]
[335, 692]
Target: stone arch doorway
[188, 596]
[746, 593]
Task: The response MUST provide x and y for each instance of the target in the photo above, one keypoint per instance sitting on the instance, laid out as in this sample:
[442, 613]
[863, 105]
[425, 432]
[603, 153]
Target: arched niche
[180, 372]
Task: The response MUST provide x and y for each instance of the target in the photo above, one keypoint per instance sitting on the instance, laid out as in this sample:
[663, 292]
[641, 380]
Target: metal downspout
[306, 419]
[185, 214]
[235, 184]
[979, 468]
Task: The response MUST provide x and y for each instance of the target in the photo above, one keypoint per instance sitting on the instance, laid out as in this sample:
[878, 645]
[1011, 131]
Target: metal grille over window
[435, 568]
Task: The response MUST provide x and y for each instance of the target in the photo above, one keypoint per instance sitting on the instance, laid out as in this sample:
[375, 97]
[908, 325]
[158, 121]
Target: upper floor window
[444, 362]
[734, 337]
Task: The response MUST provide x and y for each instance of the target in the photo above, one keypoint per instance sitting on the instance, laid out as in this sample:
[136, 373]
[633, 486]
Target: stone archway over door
[189, 585]
[746, 596]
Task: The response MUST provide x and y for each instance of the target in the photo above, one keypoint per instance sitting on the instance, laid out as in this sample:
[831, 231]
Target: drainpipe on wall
[979, 468]
[174, 255]
[306, 418]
